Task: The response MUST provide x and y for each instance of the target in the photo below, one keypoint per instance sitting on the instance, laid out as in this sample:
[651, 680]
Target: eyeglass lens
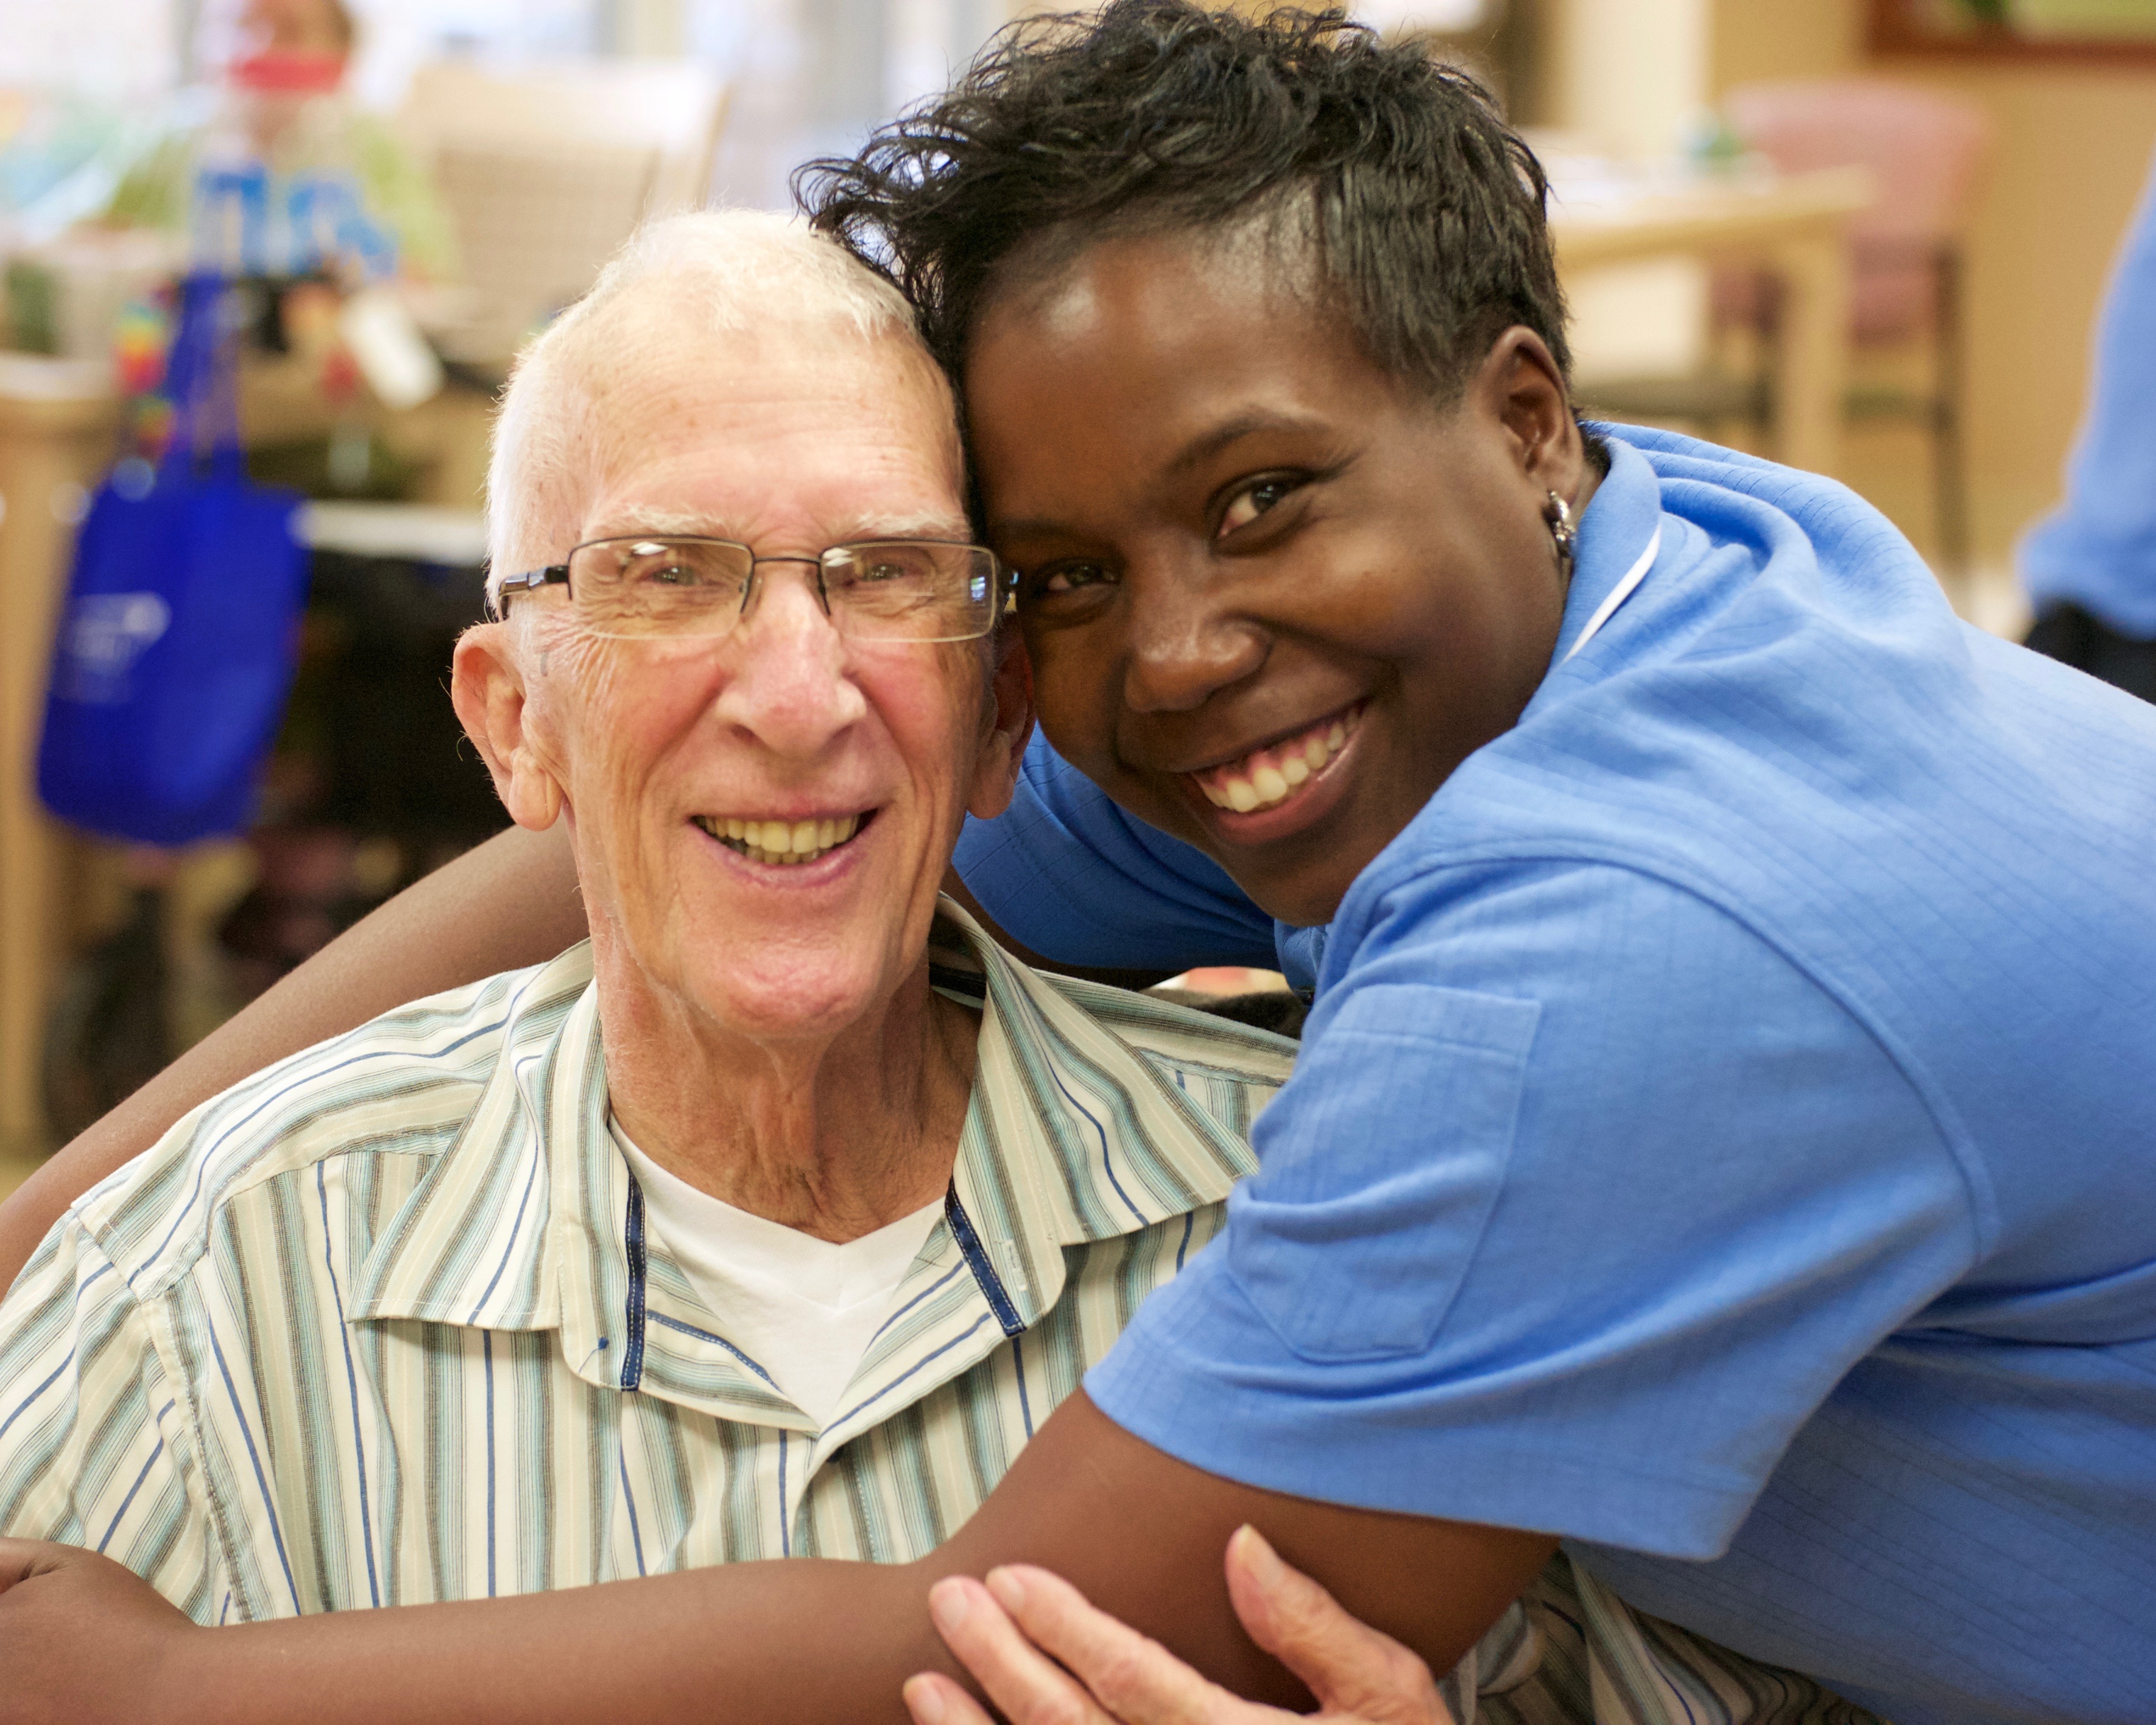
[895, 590]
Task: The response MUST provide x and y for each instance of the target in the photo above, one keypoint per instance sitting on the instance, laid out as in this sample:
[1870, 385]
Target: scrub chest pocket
[1354, 1248]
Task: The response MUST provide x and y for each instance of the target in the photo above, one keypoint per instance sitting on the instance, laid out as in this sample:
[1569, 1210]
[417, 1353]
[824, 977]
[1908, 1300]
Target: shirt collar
[1073, 1134]
[1615, 530]
[469, 1244]
[532, 1220]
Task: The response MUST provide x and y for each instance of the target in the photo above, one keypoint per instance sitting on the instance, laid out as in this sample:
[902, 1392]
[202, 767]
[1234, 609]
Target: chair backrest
[546, 167]
[1925, 151]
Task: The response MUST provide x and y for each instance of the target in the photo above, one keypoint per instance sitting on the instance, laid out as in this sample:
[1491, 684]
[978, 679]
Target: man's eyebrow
[660, 524]
[935, 523]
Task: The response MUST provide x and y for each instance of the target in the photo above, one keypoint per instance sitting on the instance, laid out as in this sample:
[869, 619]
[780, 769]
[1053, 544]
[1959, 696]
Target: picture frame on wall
[2086, 32]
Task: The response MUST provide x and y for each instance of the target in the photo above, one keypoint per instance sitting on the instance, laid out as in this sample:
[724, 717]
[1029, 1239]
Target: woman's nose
[792, 687]
[1185, 644]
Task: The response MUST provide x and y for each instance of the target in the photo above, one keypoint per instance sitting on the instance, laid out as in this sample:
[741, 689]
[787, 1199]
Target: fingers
[1350, 1667]
[1027, 1687]
[934, 1699]
[1131, 1677]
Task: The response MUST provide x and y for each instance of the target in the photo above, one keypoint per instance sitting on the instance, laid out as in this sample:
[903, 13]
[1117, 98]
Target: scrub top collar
[1619, 540]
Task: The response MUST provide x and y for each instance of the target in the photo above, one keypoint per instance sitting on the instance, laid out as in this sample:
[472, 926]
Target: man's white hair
[676, 285]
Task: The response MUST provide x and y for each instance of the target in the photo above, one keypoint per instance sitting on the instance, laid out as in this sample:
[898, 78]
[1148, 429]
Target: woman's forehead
[1270, 254]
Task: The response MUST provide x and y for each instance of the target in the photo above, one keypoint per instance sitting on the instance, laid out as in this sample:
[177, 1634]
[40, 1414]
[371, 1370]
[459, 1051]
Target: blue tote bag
[178, 642]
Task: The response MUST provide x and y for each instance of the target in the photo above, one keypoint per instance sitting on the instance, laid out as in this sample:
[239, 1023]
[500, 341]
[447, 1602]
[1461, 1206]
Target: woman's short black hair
[1426, 208]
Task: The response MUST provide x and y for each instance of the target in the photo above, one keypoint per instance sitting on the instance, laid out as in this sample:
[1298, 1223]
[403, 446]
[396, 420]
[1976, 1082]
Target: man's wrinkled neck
[837, 1133]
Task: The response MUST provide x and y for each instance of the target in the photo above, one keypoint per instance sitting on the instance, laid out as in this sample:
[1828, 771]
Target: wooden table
[56, 427]
[1794, 225]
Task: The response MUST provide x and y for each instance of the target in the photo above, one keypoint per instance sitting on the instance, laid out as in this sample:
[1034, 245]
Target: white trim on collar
[1618, 593]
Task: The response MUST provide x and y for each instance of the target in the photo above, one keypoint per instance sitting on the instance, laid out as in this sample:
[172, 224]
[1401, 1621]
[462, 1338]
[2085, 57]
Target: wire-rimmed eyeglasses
[650, 584]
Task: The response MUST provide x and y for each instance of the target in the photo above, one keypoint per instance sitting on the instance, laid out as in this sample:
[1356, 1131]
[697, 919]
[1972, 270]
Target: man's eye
[669, 569]
[1253, 500]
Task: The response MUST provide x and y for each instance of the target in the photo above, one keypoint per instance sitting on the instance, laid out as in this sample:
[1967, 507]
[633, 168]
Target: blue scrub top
[1726, 1133]
[2098, 549]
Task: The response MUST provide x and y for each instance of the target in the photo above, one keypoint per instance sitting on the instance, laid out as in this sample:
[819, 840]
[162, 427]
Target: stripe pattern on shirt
[383, 1326]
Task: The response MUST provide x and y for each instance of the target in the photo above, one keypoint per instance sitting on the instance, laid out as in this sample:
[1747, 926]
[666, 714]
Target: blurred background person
[282, 124]
[2090, 566]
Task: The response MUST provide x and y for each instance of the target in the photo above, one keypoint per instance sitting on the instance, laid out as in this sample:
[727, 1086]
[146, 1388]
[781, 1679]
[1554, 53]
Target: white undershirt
[802, 1308]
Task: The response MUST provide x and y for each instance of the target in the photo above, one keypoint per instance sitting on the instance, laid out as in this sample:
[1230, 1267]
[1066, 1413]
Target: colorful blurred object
[138, 346]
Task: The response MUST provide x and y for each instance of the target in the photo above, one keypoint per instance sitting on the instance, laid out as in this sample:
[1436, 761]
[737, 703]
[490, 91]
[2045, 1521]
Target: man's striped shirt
[384, 1324]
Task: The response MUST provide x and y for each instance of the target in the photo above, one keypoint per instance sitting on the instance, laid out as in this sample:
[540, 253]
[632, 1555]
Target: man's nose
[1184, 641]
[792, 687]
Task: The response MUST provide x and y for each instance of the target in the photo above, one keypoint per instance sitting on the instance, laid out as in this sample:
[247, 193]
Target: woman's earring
[1558, 517]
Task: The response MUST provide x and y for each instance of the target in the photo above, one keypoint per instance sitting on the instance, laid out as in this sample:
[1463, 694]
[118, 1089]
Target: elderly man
[771, 1221]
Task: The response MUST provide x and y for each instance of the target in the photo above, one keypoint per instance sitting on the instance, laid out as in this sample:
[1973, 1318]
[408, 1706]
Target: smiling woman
[1244, 547]
[1284, 524]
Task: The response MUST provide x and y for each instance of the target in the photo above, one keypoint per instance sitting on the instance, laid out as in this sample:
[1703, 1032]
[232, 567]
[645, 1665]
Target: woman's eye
[1066, 577]
[1253, 500]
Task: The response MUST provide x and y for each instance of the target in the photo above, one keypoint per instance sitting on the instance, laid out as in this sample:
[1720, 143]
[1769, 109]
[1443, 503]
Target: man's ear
[1010, 726]
[487, 687]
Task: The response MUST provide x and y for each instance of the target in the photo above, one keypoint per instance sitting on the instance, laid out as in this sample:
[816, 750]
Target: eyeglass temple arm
[531, 581]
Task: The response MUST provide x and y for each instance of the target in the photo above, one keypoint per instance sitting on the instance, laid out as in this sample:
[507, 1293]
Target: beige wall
[1626, 76]
[2072, 147]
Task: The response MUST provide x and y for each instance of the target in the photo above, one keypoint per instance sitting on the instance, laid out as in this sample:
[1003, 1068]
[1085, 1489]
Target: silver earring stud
[1558, 514]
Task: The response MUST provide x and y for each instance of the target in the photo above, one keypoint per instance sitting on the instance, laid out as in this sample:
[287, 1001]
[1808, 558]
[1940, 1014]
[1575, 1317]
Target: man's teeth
[1266, 777]
[784, 842]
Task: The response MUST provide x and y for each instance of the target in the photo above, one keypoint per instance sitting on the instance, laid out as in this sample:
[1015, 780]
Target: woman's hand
[1047, 1657]
[81, 1638]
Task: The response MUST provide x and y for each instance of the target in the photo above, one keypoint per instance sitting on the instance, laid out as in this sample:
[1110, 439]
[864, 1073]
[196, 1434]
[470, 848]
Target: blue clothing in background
[1726, 1133]
[2098, 550]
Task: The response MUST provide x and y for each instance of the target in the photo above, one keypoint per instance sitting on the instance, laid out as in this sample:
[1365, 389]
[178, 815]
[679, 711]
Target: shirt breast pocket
[1379, 1165]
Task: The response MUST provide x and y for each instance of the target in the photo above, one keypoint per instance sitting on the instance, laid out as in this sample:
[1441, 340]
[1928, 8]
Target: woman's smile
[1277, 772]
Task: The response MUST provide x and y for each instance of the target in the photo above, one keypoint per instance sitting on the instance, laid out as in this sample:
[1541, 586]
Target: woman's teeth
[1268, 775]
[785, 842]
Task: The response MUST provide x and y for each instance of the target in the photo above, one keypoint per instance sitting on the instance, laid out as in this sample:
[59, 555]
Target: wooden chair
[1925, 152]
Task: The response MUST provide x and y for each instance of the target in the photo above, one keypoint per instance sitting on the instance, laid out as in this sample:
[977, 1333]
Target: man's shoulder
[401, 1085]
[1178, 1089]
[1220, 1073]
[1175, 1038]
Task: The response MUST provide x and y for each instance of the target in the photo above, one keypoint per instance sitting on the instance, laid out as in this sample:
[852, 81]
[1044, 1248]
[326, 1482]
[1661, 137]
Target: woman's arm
[794, 1642]
[512, 902]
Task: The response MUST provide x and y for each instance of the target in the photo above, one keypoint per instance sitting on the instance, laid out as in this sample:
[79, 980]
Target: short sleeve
[1582, 1198]
[94, 1444]
[1067, 873]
